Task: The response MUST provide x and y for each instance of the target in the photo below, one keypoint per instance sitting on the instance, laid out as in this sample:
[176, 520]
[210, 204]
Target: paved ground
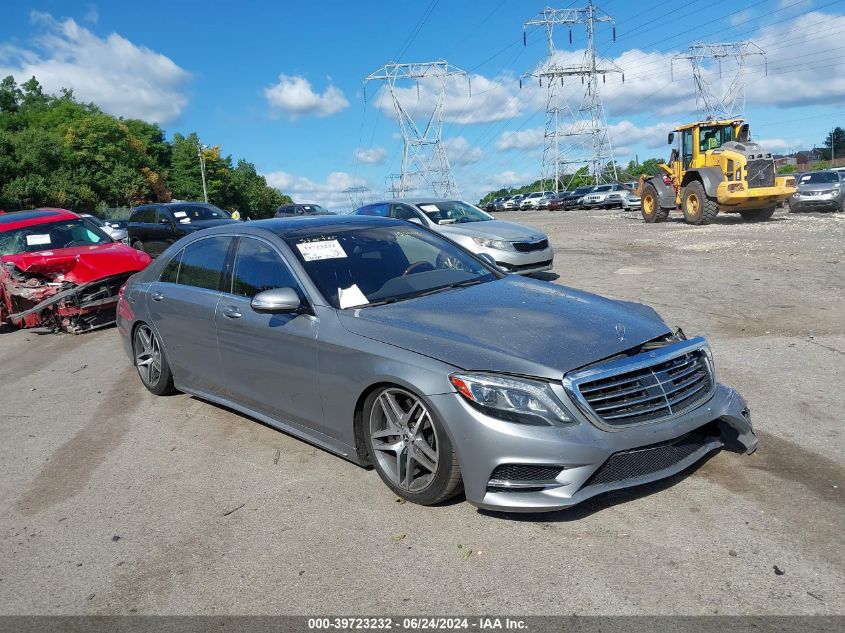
[115, 501]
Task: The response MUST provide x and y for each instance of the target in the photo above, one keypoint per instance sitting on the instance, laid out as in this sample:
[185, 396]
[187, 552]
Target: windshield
[453, 212]
[582, 190]
[315, 209]
[188, 214]
[382, 264]
[713, 136]
[603, 188]
[819, 177]
[51, 235]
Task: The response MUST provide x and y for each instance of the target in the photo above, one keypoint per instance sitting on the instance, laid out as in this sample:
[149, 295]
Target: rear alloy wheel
[697, 207]
[151, 362]
[757, 215]
[650, 205]
[409, 447]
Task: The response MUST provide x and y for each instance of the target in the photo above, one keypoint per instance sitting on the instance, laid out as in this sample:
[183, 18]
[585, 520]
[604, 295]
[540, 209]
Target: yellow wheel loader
[714, 168]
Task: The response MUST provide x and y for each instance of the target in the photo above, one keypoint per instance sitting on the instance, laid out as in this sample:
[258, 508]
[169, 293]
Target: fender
[665, 193]
[710, 177]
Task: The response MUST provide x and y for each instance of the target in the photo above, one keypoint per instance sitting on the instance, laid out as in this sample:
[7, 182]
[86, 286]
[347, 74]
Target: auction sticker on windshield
[325, 249]
[37, 240]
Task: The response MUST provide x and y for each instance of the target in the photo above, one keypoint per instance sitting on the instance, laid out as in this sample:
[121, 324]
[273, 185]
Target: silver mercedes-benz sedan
[389, 345]
[515, 247]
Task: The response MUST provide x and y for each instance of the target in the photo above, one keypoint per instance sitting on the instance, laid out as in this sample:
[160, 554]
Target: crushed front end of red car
[72, 289]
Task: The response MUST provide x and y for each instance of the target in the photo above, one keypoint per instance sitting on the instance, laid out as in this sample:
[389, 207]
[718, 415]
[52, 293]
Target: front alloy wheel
[409, 447]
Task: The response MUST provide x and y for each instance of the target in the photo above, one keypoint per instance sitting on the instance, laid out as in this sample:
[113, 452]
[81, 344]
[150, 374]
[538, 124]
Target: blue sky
[280, 83]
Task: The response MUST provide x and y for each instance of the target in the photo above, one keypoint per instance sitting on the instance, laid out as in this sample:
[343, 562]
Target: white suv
[532, 200]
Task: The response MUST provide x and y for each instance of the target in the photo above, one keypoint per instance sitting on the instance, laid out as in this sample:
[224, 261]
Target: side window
[402, 212]
[375, 209]
[171, 271]
[257, 268]
[202, 263]
[145, 216]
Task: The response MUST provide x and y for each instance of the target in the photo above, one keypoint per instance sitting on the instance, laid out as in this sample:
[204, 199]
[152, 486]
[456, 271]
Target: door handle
[232, 312]
[156, 296]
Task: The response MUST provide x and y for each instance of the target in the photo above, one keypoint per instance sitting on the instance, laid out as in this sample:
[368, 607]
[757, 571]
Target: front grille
[515, 268]
[528, 247]
[649, 393]
[641, 462]
[760, 173]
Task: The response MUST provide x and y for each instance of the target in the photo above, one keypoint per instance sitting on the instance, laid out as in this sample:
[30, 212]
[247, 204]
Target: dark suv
[293, 210]
[154, 227]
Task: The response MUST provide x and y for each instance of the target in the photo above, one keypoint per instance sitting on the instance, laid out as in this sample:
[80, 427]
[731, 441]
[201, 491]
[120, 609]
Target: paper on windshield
[37, 240]
[431, 208]
[324, 249]
[179, 214]
[351, 297]
[185, 221]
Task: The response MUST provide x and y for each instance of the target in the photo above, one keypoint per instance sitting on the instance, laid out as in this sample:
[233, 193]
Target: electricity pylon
[358, 196]
[721, 97]
[575, 134]
[424, 161]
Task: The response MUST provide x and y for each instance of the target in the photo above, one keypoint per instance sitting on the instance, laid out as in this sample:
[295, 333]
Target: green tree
[835, 141]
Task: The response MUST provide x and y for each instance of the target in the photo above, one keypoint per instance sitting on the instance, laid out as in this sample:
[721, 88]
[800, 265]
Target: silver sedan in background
[515, 247]
[819, 191]
[391, 346]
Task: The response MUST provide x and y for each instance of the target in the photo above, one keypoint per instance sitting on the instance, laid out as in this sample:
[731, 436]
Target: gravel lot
[115, 501]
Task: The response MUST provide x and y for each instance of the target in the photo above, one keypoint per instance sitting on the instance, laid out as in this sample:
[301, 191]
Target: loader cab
[697, 138]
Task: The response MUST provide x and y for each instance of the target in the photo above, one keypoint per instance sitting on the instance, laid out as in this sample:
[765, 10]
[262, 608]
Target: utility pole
[200, 148]
[719, 94]
[575, 133]
[424, 161]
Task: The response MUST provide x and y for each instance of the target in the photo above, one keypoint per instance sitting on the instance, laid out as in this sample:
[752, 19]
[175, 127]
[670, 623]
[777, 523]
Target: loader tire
[650, 205]
[757, 215]
[697, 207]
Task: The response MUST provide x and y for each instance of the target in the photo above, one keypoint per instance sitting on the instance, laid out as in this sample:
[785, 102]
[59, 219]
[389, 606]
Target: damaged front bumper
[32, 300]
[502, 463]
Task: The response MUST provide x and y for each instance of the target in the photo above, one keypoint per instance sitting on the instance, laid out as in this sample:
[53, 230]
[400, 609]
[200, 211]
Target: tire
[697, 207]
[757, 215]
[150, 361]
[401, 431]
[650, 207]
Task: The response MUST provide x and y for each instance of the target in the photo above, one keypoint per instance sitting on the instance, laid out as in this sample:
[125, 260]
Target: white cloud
[295, 96]
[122, 78]
[740, 17]
[479, 100]
[461, 152]
[529, 139]
[92, 15]
[328, 193]
[371, 156]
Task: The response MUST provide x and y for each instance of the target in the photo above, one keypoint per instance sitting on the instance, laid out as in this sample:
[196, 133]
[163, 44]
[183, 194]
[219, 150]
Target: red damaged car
[61, 271]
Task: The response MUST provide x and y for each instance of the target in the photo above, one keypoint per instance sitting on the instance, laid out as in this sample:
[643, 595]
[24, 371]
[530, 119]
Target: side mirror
[276, 300]
[671, 138]
[164, 220]
[488, 259]
[416, 220]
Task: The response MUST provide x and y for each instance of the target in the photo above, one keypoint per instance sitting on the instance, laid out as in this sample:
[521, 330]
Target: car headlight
[499, 245]
[513, 399]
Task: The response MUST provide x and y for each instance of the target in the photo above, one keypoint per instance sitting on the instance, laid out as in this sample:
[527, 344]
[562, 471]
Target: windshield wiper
[424, 293]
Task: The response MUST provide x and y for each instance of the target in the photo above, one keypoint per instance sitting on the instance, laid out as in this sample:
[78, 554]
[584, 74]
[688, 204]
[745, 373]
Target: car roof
[18, 219]
[173, 205]
[307, 225]
[416, 201]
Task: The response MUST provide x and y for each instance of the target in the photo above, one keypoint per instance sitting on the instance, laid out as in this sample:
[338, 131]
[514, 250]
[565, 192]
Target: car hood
[514, 325]
[817, 186]
[81, 264]
[492, 229]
